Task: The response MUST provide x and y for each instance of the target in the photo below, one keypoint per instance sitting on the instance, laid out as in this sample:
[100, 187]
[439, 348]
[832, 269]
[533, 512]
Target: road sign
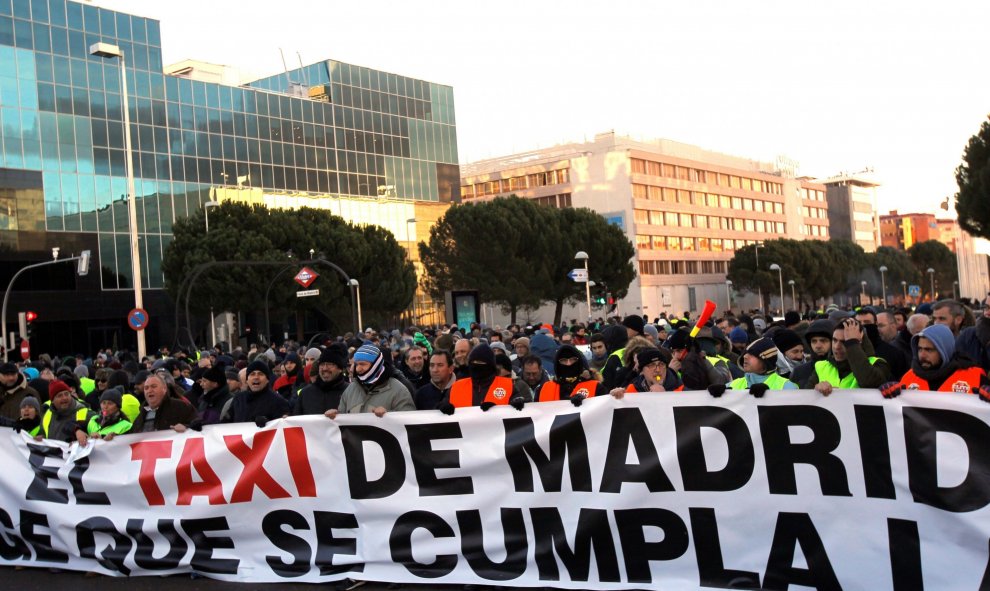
[307, 292]
[25, 350]
[137, 319]
[306, 276]
[578, 275]
[914, 290]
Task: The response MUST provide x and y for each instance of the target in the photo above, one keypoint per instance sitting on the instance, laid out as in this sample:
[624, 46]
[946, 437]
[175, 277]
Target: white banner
[667, 490]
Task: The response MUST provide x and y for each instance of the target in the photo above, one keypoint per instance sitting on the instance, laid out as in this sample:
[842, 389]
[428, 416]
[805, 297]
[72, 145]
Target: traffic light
[600, 300]
[29, 318]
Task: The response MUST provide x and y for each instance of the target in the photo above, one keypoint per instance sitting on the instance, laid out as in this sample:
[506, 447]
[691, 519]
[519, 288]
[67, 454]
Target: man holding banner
[936, 367]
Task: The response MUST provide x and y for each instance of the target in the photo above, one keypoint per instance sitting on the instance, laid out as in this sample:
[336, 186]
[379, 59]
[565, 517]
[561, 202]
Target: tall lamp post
[955, 284]
[728, 294]
[883, 284]
[107, 50]
[780, 276]
[931, 281]
[410, 232]
[583, 256]
[213, 321]
[904, 289]
[357, 290]
[793, 294]
[759, 289]
[863, 285]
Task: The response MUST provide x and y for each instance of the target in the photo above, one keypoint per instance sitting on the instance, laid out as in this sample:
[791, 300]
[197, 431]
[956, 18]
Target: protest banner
[661, 490]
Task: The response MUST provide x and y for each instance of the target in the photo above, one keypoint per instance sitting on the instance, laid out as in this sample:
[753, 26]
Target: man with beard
[572, 379]
[759, 363]
[331, 381]
[257, 403]
[13, 389]
[65, 417]
[462, 348]
[373, 389]
[851, 364]
[483, 388]
[599, 353]
[937, 367]
[161, 411]
[216, 399]
[414, 367]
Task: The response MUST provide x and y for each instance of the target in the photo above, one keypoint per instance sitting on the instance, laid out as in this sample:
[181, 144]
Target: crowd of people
[943, 347]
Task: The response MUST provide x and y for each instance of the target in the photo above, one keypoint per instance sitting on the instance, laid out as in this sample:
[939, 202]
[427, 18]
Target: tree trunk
[558, 311]
[512, 313]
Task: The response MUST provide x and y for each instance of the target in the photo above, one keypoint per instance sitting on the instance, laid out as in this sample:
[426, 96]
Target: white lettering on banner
[660, 490]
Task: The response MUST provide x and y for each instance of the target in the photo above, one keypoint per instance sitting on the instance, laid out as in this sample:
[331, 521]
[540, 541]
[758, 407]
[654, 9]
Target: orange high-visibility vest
[963, 381]
[499, 392]
[550, 391]
[631, 389]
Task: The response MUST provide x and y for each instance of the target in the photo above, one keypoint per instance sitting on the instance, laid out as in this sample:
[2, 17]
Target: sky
[838, 86]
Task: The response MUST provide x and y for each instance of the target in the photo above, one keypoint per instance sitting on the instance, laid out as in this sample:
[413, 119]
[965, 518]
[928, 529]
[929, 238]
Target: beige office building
[686, 210]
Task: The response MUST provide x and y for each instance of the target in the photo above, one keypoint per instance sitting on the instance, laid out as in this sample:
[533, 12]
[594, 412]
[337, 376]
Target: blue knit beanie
[372, 355]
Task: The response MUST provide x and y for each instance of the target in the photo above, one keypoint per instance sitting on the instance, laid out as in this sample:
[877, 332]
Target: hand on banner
[823, 388]
[716, 390]
[379, 411]
[81, 436]
[890, 389]
[261, 421]
[486, 405]
[196, 425]
[179, 428]
[758, 390]
[577, 399]
[618, 393]
[518, 402]
[331, 414]
[984, 392]
[446, 408]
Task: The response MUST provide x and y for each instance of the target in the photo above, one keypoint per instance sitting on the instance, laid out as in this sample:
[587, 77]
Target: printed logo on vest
[961, 387]
[582, 392]
[499, 393]
[913, 387]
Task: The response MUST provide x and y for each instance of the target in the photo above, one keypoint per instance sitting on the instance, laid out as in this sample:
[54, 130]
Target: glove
[518, 402]
[758, 390]
[577, 399]
[984, 393]
[716, 390]
[486, 405]
[890, 389]
[197, 425]
[446, 408]
[261, 421]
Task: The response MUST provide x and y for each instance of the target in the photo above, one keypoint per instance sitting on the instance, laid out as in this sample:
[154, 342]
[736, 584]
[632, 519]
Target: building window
[641, 216]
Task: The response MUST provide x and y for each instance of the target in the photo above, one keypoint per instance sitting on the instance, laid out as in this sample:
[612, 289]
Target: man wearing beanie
[373, 389]
[65, 418]
[572, 379]
[258, 403]
[760, 364]
[483, 387]
[654, 374]
[936, 367]
[819, 340]
[110, 422]
[790, 348]
[851, 364]
[331, 380]
[13, 389]
[216, 399]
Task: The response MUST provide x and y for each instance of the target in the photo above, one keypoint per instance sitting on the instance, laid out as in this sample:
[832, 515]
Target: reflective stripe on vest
[499, 392]
[963, 381]
[551, 390]
[631, 388]
[47, 419]
[829, 373]
[119, 428]
[774, 381]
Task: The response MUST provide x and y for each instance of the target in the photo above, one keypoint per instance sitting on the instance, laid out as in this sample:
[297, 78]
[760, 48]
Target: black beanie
[335, 354]
[651, 354]
[115, 395]
[215, 374]
[786, 339]
[634, 323]
[259, 365]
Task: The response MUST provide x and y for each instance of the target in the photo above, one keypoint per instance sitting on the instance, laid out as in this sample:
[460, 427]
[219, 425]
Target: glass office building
[329, 130]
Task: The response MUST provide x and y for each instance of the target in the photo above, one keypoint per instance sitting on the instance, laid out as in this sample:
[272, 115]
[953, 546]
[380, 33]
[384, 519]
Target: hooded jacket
[567, 377]
[11, 397]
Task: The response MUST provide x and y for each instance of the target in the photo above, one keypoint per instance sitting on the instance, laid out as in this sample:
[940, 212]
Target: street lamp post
[883, 284]
[931, 281]
[213, 321]
[357, 290]
[107, 50]
[583, 256]
[728, 294]
[410, 233]
[955, 284]
[759, 288]
[793, 294]
[862, 284]
[904, 289]
[780, 276]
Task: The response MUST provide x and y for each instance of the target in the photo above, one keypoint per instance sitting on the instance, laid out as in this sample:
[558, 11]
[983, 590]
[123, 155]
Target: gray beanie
[32, 402]
[115, 395]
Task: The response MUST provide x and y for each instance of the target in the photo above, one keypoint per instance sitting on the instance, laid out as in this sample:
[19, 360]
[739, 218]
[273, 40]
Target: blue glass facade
[357, 133]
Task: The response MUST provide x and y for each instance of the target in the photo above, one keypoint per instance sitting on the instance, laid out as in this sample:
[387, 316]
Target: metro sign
[306, 277]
